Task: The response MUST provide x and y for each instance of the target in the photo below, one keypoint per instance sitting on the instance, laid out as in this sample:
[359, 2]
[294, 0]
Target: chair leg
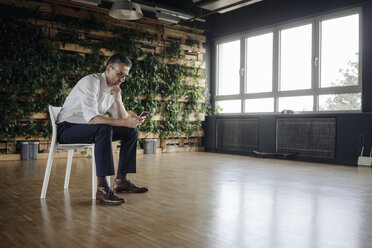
[94, 176]
[68, 168]
[47, 171]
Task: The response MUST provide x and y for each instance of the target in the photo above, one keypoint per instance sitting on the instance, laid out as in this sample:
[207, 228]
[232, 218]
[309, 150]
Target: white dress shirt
[90, 97]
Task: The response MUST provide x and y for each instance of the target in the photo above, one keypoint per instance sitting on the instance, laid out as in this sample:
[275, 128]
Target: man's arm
[122, 114]
[131, 121]
[124, 119]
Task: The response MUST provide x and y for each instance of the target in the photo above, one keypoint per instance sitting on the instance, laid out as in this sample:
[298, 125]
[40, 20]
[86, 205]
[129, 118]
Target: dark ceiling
[179, 4]
[194, 8]
[192, 13]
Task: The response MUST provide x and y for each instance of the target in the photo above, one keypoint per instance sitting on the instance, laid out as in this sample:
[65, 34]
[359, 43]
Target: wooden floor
[195, 200]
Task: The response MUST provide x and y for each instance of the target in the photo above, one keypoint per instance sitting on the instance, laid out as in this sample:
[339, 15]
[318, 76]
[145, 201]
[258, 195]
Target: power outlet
[365, 161]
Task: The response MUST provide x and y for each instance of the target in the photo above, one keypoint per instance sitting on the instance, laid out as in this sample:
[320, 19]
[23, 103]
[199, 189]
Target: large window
[296, 103]
[307, 66]
[259, 65]
[228, 68]
[339, 51]
[295, 58]
[230, 106]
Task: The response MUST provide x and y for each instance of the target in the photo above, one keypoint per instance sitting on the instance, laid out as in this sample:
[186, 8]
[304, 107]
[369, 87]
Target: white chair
[53, 112]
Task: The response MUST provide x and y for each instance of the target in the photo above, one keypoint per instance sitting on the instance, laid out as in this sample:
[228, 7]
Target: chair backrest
[53, 113]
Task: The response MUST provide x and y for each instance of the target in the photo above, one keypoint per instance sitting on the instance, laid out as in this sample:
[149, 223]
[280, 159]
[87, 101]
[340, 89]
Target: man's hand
[132, 121]
[116, 91]
[132, 113]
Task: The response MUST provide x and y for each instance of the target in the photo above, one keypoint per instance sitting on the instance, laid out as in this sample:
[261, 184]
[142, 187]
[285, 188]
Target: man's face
[116, 74]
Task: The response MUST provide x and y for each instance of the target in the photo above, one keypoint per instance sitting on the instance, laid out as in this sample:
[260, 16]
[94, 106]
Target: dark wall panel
[267, 133]
[367, 58]
[209, 127]
[350, 128]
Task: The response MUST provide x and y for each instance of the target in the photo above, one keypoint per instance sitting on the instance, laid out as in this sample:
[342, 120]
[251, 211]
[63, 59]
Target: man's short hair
[118, 58]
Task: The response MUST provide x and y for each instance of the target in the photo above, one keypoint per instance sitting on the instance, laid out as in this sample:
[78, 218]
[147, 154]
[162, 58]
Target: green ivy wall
[46, 48]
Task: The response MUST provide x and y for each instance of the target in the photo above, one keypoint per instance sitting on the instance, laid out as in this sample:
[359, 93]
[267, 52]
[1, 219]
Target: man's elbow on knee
[93, 120]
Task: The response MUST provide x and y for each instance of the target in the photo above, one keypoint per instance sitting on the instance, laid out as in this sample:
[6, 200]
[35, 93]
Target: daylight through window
[307, 66]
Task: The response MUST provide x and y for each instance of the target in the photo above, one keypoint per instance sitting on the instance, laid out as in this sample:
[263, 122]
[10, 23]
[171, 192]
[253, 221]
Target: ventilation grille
[237, 134]
[309, 137]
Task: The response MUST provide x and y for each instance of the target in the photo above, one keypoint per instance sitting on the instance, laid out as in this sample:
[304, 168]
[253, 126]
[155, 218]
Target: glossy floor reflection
[195, 200]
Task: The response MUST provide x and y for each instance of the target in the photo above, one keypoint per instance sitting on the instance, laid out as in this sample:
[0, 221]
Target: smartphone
[144, 114]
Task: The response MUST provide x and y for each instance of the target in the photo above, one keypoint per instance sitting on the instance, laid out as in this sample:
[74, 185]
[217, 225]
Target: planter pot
[150, 146]
[29, 150]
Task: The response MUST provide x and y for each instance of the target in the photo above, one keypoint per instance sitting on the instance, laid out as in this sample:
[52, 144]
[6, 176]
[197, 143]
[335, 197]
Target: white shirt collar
[105, 87]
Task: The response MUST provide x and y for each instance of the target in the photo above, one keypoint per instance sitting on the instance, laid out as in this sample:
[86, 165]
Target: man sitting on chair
[82, 120]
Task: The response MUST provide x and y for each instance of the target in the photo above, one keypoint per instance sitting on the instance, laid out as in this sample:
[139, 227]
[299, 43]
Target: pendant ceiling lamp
[125, 10]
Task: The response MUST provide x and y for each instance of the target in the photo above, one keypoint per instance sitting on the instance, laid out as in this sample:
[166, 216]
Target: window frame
[245, 39]
[315, 91]
[231, 39]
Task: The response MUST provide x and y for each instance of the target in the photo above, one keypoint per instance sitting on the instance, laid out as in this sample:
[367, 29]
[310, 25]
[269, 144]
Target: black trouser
[103, 135]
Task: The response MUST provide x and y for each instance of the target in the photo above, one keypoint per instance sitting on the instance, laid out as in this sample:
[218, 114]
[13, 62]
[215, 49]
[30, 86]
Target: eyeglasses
[120, 74]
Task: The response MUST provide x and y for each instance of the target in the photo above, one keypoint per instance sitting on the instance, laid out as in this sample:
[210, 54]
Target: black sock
[121, 176]
[102, 182]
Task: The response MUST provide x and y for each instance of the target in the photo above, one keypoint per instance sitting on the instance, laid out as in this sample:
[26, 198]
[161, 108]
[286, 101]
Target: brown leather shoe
[105, 195]
[122, 185]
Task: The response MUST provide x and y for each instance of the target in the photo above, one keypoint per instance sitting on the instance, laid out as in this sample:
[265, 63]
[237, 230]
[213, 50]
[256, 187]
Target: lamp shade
[125, 10]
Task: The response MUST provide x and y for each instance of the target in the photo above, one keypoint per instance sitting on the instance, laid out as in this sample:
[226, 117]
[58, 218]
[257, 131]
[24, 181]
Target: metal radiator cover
[309, 137]
[237, 134]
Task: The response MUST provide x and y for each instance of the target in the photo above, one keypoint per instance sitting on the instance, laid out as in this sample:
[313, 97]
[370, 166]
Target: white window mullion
[216, 81]
[276, 59]
[242, 72]
[360, 50]
[316, 63]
